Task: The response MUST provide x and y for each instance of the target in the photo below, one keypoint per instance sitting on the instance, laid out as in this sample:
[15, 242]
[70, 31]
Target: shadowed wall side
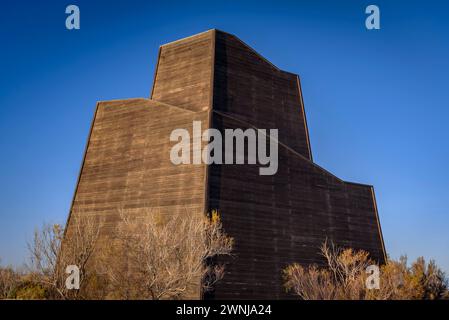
[281, 219]
[252, 89]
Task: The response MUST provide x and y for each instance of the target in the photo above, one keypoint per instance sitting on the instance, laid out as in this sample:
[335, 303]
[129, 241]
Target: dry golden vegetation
[176, 256]
[164, 256]
[344, 277]
[150, 256]
[50, 255]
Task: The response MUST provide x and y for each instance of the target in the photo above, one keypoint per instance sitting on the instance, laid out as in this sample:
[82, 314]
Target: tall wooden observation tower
[215, 78]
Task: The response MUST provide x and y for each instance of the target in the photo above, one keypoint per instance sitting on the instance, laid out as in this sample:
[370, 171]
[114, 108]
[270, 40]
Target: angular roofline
[188, 37]
[238, 39]
[102, 102]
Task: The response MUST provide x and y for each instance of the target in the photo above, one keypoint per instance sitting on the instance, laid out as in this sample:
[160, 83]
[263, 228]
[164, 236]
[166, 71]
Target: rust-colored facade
[215, 78]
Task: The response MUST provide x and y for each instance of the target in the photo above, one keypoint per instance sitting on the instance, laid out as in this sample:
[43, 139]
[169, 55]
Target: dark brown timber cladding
[127, 167]
[275, 220]
[280, 219]
[252, 89]
[184, 71]
[128, 160]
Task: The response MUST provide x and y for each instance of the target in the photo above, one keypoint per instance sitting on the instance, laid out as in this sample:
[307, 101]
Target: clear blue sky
[376, 101]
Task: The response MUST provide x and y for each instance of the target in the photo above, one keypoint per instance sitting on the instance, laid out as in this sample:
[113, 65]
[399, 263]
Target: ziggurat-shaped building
[215, 78]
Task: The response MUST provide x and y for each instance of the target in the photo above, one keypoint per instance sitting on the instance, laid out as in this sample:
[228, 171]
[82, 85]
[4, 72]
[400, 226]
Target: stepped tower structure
[275, 220]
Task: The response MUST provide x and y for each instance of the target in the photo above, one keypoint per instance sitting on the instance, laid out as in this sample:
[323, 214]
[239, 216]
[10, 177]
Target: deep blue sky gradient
[376, 101]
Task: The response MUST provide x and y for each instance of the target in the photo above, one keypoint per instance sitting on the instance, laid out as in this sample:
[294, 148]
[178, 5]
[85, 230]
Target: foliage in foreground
[160, 256]
[150, 256]
[344, 277]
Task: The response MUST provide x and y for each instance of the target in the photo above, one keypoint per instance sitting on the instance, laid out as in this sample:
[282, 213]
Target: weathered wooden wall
[127, 167]
[280, 219]
[275, 220]
[184, 73]
[252, 89]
